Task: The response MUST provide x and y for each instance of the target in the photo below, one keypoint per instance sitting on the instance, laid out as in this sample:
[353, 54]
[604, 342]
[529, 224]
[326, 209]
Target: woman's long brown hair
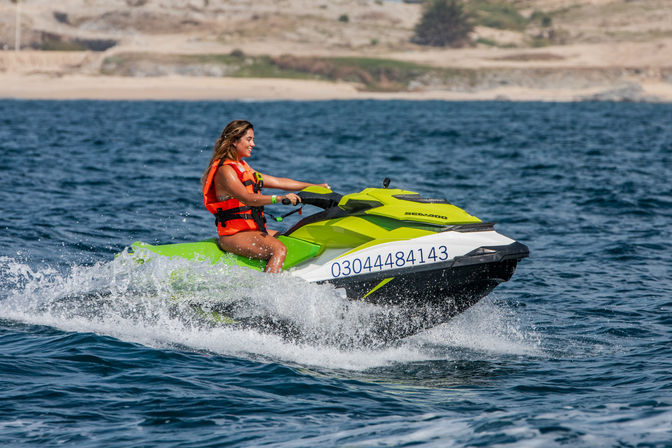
[224, 148]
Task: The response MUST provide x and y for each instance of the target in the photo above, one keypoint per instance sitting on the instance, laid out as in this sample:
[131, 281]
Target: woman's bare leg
[255, 244]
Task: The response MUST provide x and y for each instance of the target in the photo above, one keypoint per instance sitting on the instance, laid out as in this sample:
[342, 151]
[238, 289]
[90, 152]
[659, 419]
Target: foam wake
[240, 312]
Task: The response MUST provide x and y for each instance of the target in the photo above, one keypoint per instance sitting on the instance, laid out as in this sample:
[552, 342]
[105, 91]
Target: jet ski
[386, 246]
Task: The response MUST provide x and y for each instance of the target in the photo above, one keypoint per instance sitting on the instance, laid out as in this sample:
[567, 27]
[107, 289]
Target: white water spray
[179, 303]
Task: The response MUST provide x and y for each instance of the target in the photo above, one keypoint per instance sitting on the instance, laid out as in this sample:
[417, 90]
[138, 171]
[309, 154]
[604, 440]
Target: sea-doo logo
[425, 214]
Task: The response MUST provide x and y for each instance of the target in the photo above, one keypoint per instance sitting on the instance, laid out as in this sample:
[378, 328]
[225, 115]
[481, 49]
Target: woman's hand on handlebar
[291, 197]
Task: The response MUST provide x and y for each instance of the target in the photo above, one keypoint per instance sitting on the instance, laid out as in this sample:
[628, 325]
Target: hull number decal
[390, 260]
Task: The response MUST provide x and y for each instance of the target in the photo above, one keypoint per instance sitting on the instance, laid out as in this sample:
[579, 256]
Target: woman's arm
[283, 183]
[227, 183]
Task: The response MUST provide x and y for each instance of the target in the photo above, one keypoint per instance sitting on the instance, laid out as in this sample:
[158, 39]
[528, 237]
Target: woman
[232, 192]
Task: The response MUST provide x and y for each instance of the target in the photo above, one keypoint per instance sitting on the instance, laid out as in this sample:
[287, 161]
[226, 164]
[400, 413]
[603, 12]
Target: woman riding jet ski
[232, 192]
[382, 245]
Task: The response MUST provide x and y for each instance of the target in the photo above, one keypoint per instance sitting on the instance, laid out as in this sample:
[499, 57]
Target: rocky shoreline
[614, 83]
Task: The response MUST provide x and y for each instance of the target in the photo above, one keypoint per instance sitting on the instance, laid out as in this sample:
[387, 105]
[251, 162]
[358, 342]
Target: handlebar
[324, 201]
[321, 200]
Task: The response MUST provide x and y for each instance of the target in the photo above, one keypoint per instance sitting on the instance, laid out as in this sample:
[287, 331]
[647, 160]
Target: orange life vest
[231, 215]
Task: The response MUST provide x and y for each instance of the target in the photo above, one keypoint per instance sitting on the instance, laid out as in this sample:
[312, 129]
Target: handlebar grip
[286, 201]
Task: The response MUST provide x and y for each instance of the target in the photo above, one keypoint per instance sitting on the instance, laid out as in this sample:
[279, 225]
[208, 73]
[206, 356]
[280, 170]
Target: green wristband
[274, 199]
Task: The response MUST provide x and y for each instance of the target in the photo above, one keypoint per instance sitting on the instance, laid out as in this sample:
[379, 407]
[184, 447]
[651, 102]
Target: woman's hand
[325, 185]
[294, 199]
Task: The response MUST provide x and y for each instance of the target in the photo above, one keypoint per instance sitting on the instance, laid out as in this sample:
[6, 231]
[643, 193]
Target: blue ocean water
[574, 350]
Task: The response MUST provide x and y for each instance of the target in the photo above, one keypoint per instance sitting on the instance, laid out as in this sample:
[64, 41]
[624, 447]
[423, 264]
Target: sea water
[99, 351]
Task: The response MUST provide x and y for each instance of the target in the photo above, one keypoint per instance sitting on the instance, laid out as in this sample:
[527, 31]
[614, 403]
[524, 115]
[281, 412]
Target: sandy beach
[587, 63]
[78, 87]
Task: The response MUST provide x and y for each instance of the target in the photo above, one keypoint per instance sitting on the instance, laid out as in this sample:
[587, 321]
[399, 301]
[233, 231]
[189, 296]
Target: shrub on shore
[443, 23]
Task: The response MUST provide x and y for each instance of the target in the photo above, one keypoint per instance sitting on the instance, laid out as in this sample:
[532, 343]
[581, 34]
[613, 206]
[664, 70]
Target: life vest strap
[259, 218]
[256, 214]
[255, 185]
[233, 213]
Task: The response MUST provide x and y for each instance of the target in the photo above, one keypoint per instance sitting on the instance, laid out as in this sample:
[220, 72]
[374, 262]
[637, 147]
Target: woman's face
[245, 144]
